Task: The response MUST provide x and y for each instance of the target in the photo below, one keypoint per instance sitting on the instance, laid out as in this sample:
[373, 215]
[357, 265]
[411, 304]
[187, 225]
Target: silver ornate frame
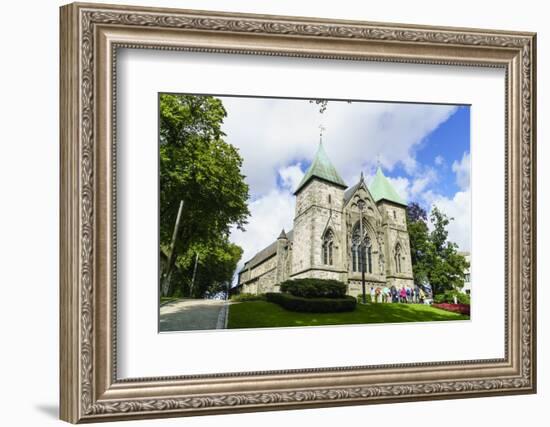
[90, 36]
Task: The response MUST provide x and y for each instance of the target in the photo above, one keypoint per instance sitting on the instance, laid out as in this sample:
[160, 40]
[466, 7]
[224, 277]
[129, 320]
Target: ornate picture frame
[90, 37]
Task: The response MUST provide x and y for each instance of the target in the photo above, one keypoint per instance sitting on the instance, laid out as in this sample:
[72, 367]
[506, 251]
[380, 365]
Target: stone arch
[398, 256]
[328, 247]
[363, 255]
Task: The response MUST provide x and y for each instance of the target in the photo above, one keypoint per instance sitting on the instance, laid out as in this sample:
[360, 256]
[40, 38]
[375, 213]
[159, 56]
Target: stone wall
[261, 278]
[395, 230]
[355, 288]
[264, 267]
[301, 259]
[318, 206]
[266, 283]
[321, 274]
[261, 284]
[250, 288]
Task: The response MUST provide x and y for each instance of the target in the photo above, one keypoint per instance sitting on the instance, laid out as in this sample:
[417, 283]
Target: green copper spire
[321, 168]
[381, 189]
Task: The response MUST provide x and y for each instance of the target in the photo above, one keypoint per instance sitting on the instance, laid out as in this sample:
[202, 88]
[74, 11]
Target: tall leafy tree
[435, 259]
[448, 266]
[419, 237]
[199, 168]
[215, 265]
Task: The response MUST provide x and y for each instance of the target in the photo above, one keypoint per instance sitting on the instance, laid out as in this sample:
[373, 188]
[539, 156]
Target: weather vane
[321, 130]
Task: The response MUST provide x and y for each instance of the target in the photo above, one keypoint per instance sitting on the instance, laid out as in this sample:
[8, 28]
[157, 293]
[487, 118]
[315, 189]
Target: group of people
[406, 294]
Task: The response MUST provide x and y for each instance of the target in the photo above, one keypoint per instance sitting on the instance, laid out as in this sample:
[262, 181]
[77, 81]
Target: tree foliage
[216, 263]
[322, 103]
[435, 259]
[200, 168]
[419, 237]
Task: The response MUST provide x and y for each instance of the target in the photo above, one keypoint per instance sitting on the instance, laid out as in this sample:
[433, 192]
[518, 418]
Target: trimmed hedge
[248, 297]
[312, 305]
[314, 288]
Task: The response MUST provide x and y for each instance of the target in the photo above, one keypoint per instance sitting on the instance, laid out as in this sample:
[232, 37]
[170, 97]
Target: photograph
[290, 212]
[280, 209]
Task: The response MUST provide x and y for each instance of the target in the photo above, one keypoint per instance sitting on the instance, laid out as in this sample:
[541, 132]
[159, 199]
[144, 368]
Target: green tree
[435, 259]
[216, 263]
[448, 266]
[199, 168]
[419, 237]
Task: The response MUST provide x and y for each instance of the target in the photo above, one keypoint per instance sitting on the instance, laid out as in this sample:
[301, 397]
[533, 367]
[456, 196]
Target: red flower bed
[455, 308]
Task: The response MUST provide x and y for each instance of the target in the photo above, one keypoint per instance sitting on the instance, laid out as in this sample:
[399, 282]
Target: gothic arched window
[360, 254]
[328, 248]
[397, 258]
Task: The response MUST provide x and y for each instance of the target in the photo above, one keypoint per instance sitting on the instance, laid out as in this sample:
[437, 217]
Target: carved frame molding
[90, 36]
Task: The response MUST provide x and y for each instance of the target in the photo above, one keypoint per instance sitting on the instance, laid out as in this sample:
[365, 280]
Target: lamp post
[361, 206]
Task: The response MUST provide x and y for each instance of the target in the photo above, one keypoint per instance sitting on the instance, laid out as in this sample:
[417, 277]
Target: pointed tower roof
[381, 189]
[282, 235]
[321, 168]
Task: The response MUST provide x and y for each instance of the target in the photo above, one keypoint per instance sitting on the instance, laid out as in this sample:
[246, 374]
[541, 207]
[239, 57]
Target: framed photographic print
[266, 212]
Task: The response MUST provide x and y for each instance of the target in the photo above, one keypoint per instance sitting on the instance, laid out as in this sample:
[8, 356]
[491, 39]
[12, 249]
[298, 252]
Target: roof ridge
[265, 253]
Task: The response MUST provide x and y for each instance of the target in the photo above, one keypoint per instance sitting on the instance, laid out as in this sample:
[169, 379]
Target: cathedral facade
[338, 232]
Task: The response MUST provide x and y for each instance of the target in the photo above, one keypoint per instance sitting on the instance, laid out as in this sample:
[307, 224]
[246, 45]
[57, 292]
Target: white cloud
[439, 160]
[462, 171]
[459, 208]
[420, 183]
[269, 214]
[272, 133]
[291, 176]
[402, 186]
[412, 190]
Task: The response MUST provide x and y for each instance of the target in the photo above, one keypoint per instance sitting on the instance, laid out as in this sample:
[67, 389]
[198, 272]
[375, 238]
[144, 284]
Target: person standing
[393, 293]
[385, 293]
[403, 295]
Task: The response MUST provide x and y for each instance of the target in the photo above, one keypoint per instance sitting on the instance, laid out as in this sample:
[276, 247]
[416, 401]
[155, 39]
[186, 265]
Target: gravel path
[193, 315]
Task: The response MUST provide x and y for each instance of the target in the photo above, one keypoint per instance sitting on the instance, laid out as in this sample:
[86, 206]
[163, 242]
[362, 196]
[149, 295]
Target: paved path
[193, 314]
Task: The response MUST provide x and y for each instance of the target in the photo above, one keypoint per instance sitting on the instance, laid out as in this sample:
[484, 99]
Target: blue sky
[424, 149]
[441, 149]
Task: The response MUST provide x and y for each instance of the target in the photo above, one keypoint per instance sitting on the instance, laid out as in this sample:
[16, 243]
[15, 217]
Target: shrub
[312, 305]
[314, 288]
[248, 297]
[455, 308]
[448, 297]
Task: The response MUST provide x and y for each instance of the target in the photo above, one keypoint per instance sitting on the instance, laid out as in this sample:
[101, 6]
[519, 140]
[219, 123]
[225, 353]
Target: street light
[361, 206]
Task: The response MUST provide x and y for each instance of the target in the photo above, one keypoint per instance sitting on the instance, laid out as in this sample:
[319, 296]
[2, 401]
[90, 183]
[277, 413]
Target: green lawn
[263, 314]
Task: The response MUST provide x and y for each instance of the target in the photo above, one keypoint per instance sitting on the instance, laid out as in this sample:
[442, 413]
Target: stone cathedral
[325, 241]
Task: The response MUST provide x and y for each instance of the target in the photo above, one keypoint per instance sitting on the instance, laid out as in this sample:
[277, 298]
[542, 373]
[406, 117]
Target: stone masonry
[325, 241]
